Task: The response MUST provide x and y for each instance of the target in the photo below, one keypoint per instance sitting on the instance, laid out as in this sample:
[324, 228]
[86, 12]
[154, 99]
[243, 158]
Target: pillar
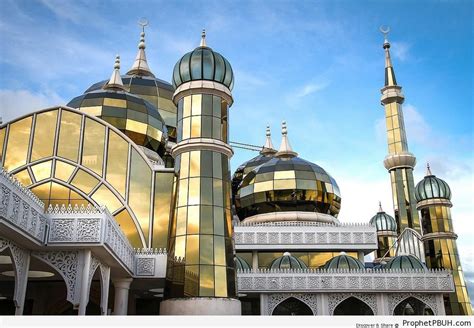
[21, 284]
[122, 286]
[254, 260]
[84, 298]
[104, 293]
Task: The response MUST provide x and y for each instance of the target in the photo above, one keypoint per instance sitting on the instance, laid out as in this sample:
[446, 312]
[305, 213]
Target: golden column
[434, 202]
[201, 270]
[399, 162]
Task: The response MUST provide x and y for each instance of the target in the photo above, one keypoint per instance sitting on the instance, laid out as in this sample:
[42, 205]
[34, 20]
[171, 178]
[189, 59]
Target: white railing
[340, 280]
[305, 235]
[21, 209]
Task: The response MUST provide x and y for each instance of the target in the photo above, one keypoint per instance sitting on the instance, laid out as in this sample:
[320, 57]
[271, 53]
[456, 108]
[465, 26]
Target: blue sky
[316, 64]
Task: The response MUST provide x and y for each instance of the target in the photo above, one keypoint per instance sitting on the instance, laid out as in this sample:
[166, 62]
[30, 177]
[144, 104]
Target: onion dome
[265, 155]
[405, 262]
[241, 264]
[287, 261]
[287, 183]
[431, 187]
[344, 261]
[203, 63]
[383, 222]
[141, 82]
[134, 116]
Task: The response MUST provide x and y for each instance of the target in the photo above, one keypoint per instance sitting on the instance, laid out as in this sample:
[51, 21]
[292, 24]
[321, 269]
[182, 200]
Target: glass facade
[310, 259]
[403, 192]
[67, 157]
[442, 252]
[201, 262]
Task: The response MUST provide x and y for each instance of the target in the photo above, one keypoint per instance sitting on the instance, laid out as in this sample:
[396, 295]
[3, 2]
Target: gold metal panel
[43, 139]
[103, 196]
[115, 102]
[154, 133]
[93, 147]
[263, 186]
[92, 110]
[42, 170]
[136, 126]
[128, 227]
[283, 184]
[69, 134]
[284, 174]
[161, 209]
[24, 177]
[17, 144]
[84, 181]
[117, 157]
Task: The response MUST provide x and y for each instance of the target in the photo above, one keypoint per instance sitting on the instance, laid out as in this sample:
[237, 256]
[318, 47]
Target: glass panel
[216, 128]
[69, 134]
[187, 106]
[207, 105]
[117, 157]
[17, 143]
[2, 139]
[93, 148]
[195, 126]
[206, 194]
[43, 139]
[63, 171]
[206, 280]
[193, 220]
[140, 191]
[84, 181]
[181, 220]
[217, 165]
[183, 192]
[192, 249]
[208, 65]
[207, 222]
[218, 195]
[103, 196]
[24, 177]
[219, 250]
[284, 174]
[206, 127]
[195, 164]
[221, 281]
[161, 209]
[180, 246]
[206, 249]
[43, 192]
[219, 221]
[196, 108]
[42, 171]
[186, 127]
[128, 227]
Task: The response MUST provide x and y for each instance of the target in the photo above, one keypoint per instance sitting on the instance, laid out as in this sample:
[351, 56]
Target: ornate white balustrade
[21, 210]
[305, 235]
[341, 280]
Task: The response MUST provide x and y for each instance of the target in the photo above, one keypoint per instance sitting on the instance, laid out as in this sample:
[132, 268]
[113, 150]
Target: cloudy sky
[317, 65]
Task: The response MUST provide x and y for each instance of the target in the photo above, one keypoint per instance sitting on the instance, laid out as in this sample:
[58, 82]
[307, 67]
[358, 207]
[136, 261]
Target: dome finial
[428, 170]
[140, 65]
[380, 207]
[285, 150]
[203, 38]
[115, 81]
[385, 30]
[268, 148]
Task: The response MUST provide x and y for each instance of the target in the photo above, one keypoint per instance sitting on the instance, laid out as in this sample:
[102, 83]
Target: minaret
[399, 162]
[201, 270]
[386, 235]
[140, 65]
[434, 202]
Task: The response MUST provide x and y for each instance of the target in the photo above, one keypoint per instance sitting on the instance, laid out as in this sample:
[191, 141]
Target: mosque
[122, 202]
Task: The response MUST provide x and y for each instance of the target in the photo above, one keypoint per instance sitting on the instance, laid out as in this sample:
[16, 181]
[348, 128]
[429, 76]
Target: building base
[201, 306]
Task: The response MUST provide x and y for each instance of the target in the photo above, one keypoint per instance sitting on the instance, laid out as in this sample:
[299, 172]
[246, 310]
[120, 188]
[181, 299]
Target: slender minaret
[434, 202]
[140, 65]
[201, 270]
[399, 162]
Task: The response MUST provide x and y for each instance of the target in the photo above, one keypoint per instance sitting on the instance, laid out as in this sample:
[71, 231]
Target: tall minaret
[201, 270]
[434, 202]
[399, 162]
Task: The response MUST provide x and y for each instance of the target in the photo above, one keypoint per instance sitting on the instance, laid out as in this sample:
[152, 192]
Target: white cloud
[401, 50]
[311, 88]
[15, 103]
[77, 12]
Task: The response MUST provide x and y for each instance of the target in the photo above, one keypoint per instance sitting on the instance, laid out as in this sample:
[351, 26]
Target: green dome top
[404, 262]
[241, 264]
[287, 261]
[432, 187]
[203, 63]
[344, 261]
[383, 222]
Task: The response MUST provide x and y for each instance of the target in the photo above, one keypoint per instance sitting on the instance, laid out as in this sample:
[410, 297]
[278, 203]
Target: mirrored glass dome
[344, 261]
[405, 262]
[383, 222]
[287, 261]
[432, 187]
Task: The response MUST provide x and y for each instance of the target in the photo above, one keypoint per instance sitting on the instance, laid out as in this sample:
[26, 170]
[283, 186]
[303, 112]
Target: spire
[285, 150]
[380, 207]
[390, 79]
[268, 149]
[203, 38]
[140, 65]
[115, 81]
[428, 170]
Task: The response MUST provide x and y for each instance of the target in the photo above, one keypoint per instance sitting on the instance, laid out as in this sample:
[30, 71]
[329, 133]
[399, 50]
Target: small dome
[432, 187]
[287, 261]
[287, 184]
[344, 261]
[383, 222]
[203, 64]
[241, 264]
[404, 262]
[134, 116]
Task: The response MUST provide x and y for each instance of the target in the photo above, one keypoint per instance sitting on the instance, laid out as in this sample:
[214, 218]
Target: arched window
[412, 306]
[292, 306]
[352, 306]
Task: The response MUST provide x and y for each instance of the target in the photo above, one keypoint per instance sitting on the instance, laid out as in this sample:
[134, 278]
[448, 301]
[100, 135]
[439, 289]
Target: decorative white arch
[334, 299]
[428, 299]
[275, 299]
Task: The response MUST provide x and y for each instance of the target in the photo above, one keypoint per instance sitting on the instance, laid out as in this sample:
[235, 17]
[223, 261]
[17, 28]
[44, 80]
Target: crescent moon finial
[385, 30]
[143, 22]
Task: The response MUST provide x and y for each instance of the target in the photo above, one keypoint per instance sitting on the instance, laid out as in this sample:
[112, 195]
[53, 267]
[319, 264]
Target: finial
[203, 38]
[142, 22]
[385, 30]
[115, 81]
[140, 65]
[285, 147]
[428, 170]
[380, 207]
[268, 149]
